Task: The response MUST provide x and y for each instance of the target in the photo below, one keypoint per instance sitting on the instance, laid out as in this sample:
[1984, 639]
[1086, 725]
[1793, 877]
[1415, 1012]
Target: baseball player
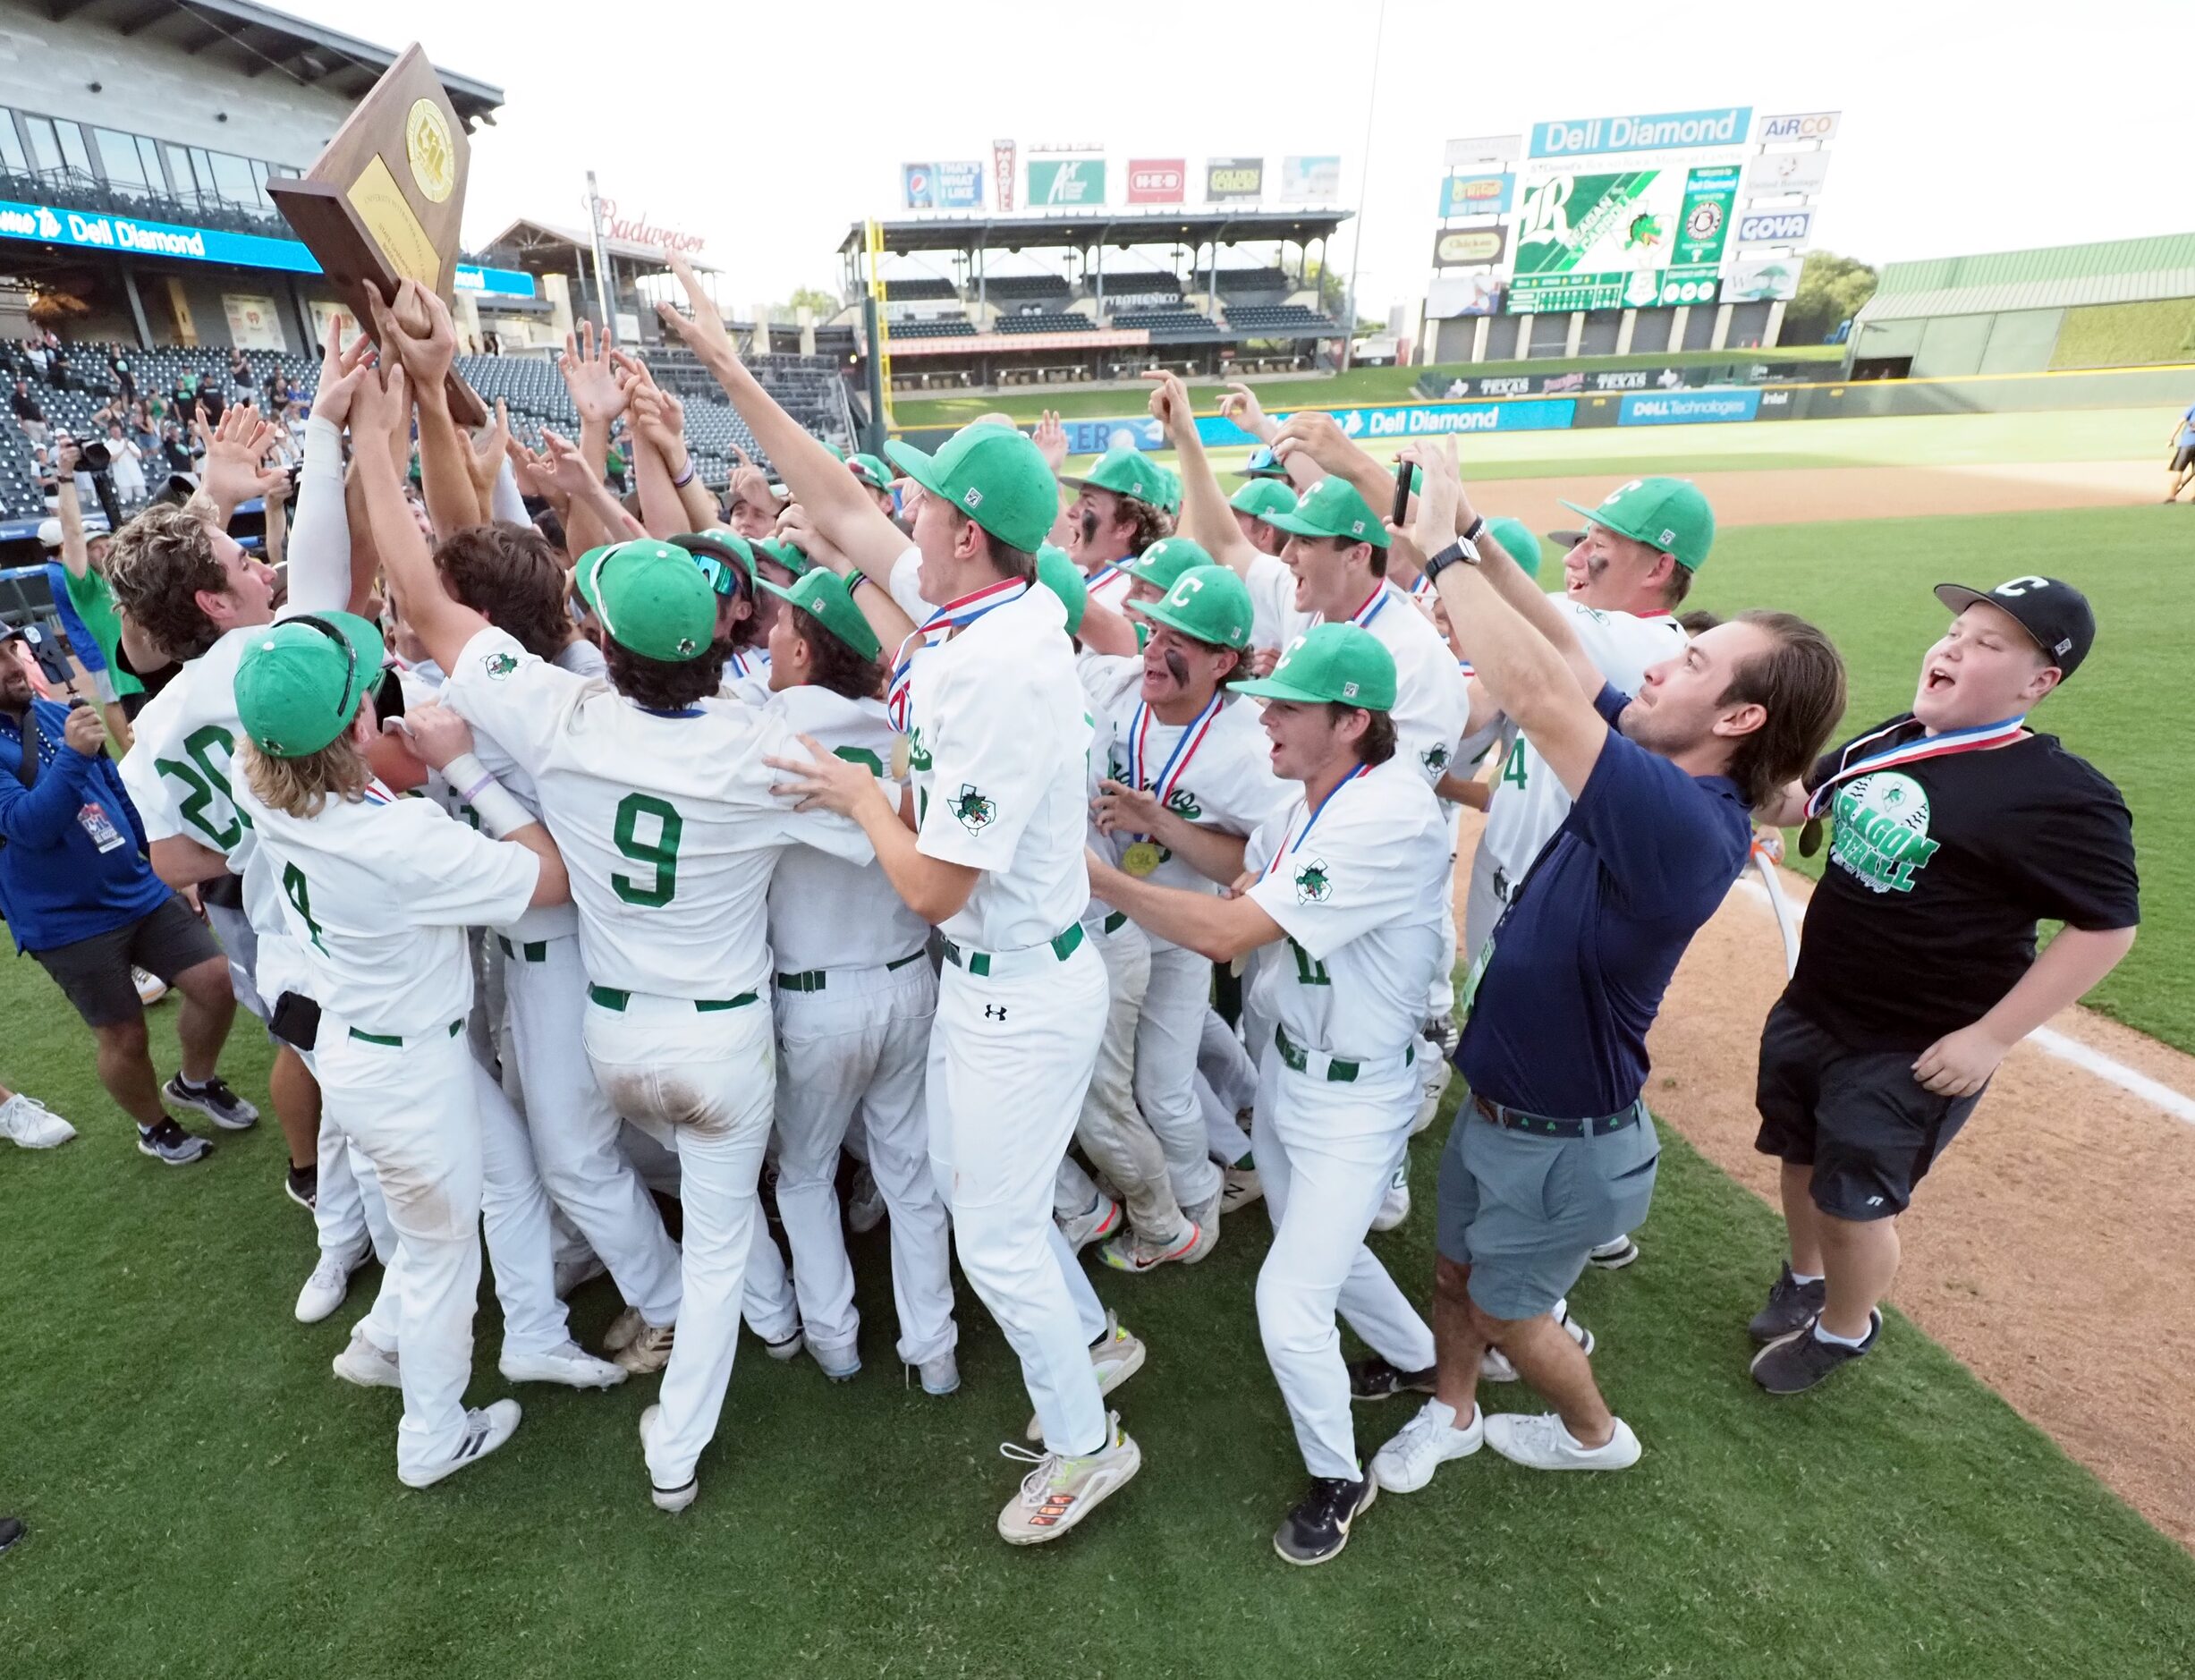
[658, 789]
[855, 998]
[1254, 506]
[1118, 512]
[377, 893]
[1340, 899]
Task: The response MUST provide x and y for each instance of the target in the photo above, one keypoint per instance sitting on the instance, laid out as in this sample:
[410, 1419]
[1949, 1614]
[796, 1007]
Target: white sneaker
[941, 1375]
[1394, 1208]
[487, 1428]
[1060, 1491]
[571, 1365]
[672, 1499]
[1538, 1441]
[1238, 1187]
[363, 1363]
[1427, 1442]
[864, 1203]
[330, 1282]
[1615, 1254]
[1101, 1218]
[1117, 1356]
[150, 988]
[1494, 1365]
[30, 1124]
[1435, 1069]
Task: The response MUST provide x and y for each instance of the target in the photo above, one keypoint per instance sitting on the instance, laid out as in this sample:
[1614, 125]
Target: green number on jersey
[1513, 771]
[662, 851]
[1308, 972]
[293, 888]
[208, 805]
[861, 756]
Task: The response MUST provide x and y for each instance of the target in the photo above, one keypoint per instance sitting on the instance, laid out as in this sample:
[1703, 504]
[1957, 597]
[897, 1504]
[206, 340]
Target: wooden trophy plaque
[382, 202]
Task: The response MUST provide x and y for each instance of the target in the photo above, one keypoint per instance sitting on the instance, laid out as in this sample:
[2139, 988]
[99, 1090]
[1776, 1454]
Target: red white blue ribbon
[951, 617]
[1374, 604]
[1911, 753]
[1176, 766]
[1290, 851]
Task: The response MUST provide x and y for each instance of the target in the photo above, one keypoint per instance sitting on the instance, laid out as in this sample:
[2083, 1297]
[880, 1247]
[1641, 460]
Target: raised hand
[381, 411]
[484, 460]
[1318, 435]
[590, 376]
[1170, 403]
[1051, 439]
[235, 468]
[340, 372]
[1440, 490]
[418, 332]
[704, 330]
[1240, 405]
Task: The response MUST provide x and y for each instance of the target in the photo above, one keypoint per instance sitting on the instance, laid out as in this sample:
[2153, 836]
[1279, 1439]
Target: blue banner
[127, 236]
[1094, 437]
[947, 186]
[1663, 130]
[504, 282]
[1687, 408]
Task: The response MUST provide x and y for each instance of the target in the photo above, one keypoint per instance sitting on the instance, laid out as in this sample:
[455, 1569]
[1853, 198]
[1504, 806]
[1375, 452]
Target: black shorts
[1859, 1117]
[94, 973]
[2182, 458]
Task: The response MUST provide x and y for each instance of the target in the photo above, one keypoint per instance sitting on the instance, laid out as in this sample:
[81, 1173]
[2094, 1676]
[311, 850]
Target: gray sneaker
[1792, 1305]
[172, 1146]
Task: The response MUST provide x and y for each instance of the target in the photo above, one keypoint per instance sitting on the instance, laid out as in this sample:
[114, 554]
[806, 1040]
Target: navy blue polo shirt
[73, 864]
[1584, 952]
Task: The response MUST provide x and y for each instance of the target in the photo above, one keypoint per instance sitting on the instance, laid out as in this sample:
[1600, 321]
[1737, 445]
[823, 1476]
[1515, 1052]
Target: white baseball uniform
[1275, 621]
[378, 893]
[998, 739]
[855, 998]
[1432, 700]
[670, 831]
[1359, 885]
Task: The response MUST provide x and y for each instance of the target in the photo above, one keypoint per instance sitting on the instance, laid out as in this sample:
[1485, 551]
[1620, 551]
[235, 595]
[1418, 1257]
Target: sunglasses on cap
[722, 575]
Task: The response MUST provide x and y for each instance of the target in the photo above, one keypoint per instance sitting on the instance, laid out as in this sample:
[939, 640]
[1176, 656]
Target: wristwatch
[1462, 549]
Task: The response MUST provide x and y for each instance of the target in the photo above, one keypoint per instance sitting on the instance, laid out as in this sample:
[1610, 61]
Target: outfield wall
[1987, 393]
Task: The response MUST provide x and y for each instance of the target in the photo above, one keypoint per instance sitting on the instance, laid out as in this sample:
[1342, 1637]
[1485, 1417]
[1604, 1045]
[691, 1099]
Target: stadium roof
[1218, 226]
[260, 41]
[527, 237]
[2055, 277]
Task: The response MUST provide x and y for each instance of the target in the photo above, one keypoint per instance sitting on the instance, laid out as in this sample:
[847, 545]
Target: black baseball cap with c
[2056, 614]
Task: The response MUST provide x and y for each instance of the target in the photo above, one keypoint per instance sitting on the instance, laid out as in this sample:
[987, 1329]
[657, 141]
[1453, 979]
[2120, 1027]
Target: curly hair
[299, 787]
[509, 575]
[159, 561]
[664, 685]
[832, 664]
[1152, 523]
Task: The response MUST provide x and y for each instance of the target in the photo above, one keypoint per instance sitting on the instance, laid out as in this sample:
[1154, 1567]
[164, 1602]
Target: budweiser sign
[637, 230]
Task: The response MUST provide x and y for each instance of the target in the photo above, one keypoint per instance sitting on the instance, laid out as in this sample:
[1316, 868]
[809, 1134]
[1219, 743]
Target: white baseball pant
[1112, 1133]
[1440, 996]
[1226, 1086]
[1010, 1062]
[1337, 1142]
[1166, 1059]
[858, 1043]
[1482, 904]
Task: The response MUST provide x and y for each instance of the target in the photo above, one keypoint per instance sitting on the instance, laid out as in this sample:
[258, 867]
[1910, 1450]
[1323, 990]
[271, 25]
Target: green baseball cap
[299, 685]
[834, 448]
[871, 470]
[1519, 541]
[1342, 664]
[1332, 508]
[1666, 514]
[1170, 486]
[994, 474]
[828, 599]
[650, 596]
[1208, 603]
[1165, 560]
[1261, 498]
[722, 557]
[788, 555]
[1125, 471]
[1063, 577]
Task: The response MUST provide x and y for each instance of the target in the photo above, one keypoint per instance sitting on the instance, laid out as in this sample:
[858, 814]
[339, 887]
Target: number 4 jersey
[665, 819]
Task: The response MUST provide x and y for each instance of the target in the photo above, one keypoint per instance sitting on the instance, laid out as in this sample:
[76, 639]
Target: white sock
[1806, 1278]
[1823, 1333]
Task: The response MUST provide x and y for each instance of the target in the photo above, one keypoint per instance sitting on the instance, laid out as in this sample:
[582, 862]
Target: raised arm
[1221, 927]
[658, 451]
[596, 393]
[382, 404]
[234, 469]
[420, 331]
[885, 614]
[323, 575]
[1206, 517]
[75, 551]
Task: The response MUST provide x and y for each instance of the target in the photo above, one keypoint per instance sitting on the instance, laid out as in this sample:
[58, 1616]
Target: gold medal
[1809, 837]
[1141, 857]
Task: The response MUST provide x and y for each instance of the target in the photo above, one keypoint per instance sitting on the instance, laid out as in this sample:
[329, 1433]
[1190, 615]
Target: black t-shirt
[1938, 871]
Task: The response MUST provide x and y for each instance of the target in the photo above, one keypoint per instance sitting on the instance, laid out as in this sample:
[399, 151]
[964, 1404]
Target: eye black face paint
[1177, 668]
[1089, 524]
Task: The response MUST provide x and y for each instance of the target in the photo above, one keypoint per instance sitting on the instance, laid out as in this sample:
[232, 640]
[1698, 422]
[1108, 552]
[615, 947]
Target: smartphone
[1406, 475]
[51, 653]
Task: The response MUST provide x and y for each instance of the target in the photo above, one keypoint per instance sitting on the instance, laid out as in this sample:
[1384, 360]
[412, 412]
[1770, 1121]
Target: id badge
[93, 819]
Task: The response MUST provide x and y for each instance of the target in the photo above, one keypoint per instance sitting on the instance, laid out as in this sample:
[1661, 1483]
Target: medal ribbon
[1374, 604]
[1185, 748]
[1912, 752]
[1104, 575]
[954, 615]
[1290, 851]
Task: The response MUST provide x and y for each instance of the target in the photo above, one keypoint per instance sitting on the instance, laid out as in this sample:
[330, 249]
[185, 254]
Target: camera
[95, 455]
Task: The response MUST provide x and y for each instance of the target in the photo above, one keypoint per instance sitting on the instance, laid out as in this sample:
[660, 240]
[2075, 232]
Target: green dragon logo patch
[976, 809]
[499, 665]
[1314, 886]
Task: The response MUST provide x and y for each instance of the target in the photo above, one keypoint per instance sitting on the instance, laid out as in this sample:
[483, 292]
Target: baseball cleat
[672, 1499]
[214, 1099]
[1116, 1355]
[570, 1366]
[786, 1347]
[329, 1283]
[1792, 1306]
[172, 1146]
[1794, 1363]
[363, 1363]
[150, 988]
[864, 1203]
[941, 1375]
[30, 1124]
[1539, 1441]
[1427, 1442]
[1615, 1254]
[1100, 1219]
[1238, 1187]
[487, 1428]
[649, 1350]
[840, 1364]
[1318, 1527]
[1062, 1490]
[1394, 1207]
[1132, 1251]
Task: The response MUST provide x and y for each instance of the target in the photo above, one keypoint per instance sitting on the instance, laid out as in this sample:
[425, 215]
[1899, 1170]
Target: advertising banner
[953, 186]
[1774, 228]
[1786, 171]
[253, 323]
[101, 232]
[1486, 149]
[1667, 131]
[1578, 231]
[502, 283]
[1804, 125]
[1157, 179]
[1451, 295]
[1002, 172]
[1689, 408]
[1476, 195]
[1467, 247]
[1234, 180]
[1643, 288]
[1310, 179]
[1065, 182]
[1094, 437]
[1762, 280]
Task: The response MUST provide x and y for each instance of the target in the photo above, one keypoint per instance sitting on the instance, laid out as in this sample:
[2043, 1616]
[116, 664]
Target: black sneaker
[1375, 1379]
[11, 1530]
[214, 1099]
[1790, 1305]
[1796, 1362]
[1318, 1527]
[303, 1186]
[169, 1143]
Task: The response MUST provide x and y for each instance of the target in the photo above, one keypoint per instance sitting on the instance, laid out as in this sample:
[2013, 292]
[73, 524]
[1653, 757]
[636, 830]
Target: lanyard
[1290, 851]
[1185, 748]
[1912, 752]
[955, 615]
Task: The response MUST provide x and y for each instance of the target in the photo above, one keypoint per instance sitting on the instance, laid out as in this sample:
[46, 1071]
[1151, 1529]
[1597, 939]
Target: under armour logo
[993, 1012]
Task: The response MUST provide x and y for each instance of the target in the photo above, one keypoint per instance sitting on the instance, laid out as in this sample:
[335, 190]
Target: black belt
[1540, 1127]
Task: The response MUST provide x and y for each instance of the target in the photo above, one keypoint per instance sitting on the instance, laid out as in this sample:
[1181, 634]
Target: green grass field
[207, 1499]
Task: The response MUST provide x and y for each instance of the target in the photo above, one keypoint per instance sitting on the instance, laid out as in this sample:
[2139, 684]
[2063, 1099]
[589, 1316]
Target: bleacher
[1169, 326]
[1248, 282]
[919, 289]
[1027, 288]
[954, 326]
[1282, 320]
[1044, 321]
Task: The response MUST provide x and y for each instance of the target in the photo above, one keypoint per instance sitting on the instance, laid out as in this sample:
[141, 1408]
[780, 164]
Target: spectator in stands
[174, 451]
[81, 899]
[240, 381]
[28, 415]
[125, 376]
[56, 363]
[144, 431]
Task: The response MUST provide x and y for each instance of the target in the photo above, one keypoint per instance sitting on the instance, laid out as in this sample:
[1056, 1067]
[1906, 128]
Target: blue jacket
[57, 886]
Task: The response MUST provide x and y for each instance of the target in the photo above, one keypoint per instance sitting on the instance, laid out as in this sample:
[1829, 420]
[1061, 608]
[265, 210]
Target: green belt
[1541, 1125]
[813, 980]
[1338, 1072]
[391, 1041]
[533, 950]
[617, 1000]
[1114, 922]
[1063, 945]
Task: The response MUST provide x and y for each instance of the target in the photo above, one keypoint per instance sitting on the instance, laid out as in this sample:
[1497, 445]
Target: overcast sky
[1965, 129]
